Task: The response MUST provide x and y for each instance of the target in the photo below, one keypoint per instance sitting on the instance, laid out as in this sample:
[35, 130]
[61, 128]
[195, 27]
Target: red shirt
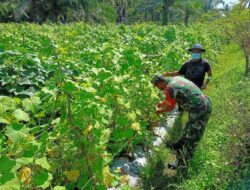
[169, 102]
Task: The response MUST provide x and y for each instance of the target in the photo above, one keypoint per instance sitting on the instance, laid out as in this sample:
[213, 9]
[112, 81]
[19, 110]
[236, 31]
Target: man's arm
[209, 78]
[167, 108]
[181, 71]
[162, 111]
[172, 74]
[168, 104]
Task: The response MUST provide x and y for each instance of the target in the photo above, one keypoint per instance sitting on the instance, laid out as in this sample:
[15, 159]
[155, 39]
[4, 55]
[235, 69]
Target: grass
[212, 165]
[222, 156]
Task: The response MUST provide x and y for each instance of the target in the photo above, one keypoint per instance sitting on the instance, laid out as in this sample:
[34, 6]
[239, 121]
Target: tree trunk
[186, 18]
[247, 65]
[165, 16]
[166, 10]
[118, 7]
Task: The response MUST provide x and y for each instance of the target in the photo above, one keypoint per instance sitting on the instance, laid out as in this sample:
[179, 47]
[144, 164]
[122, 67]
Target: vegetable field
[73, 97]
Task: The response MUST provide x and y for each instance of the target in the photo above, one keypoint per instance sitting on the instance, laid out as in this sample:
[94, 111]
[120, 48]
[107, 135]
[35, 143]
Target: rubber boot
[173, 165]
[174, 146]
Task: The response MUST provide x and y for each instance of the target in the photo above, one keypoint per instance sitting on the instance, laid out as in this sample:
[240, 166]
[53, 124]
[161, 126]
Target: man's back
[186, 93]
[195, 71]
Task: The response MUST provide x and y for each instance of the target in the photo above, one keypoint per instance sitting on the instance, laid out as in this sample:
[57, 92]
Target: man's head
[197, 51]
[159, 82]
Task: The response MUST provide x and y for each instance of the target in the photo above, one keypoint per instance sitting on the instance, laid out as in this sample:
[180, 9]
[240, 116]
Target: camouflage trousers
[194, 130]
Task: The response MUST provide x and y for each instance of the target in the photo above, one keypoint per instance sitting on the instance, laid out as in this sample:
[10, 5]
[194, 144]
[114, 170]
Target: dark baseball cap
[197, 46]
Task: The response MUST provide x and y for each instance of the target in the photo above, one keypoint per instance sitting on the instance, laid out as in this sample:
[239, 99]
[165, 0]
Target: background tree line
[232, 22]
[103, 11]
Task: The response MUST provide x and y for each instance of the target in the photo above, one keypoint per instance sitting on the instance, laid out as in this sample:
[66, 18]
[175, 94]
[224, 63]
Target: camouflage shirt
[188, 96]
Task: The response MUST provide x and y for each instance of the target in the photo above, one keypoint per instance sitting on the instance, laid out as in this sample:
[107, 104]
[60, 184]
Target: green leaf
[43, 162]
[7, 103]
[5, 121]
[120, 101]
[131, 116]
[127, 105]
[90, 90]
[12, 184]
[105, 136]
[42, 179]
[6, 164]
[24, 81]
[118, 79]
[2, 140]
[69, 86]
[6, 176]
[138, 112]
[23, 161]
[27, 92]
[56, 121]
[30, 150]
[95, 70]
[5, 170]
[97, 167]
[48, 91]
[119, 134]
[20, 115]
[31, 104]
[59, 188]
[84, 182]
[17, 126]
[17, 135]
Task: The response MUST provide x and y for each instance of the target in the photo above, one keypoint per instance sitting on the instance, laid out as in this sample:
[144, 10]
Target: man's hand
[209, 78]
[172, 74]
[160, 111]
[160, 105]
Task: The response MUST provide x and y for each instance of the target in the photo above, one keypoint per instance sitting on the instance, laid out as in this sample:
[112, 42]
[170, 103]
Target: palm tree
[166, 10]
[122, 7]
[245, 3]
[57, 10]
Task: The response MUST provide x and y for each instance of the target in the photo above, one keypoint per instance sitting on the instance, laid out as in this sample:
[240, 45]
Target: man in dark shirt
[195, 69]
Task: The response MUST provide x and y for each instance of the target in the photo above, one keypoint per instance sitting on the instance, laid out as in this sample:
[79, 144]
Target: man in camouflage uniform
[191, 99]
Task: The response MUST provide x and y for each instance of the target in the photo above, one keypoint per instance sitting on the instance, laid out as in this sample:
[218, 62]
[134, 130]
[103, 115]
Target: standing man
[191, 99]
[195, 69]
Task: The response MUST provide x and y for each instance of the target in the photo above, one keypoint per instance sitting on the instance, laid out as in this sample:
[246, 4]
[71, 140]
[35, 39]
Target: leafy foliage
[236, 26]
[91, 98]
[104, 11]
[26, 71]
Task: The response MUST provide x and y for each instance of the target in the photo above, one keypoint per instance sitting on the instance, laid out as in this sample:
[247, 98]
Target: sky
[230, 1]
